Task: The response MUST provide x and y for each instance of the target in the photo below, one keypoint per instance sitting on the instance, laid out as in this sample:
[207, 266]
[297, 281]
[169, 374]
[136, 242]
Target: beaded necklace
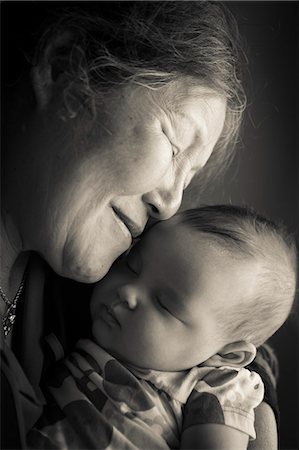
[9, 317]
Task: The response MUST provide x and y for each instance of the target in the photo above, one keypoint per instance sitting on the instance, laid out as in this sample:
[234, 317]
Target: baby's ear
[238, 354]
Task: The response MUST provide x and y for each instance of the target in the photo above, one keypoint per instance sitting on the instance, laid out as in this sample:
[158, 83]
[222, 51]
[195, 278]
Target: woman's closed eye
[175, 150]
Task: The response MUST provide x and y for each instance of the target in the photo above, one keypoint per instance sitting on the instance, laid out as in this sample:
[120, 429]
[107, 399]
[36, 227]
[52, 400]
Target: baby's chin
[125, 360]
[115, 355]
[133, 360]
[135, 366]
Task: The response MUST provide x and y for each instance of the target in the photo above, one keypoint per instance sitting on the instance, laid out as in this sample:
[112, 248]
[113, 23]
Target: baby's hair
[243, 233]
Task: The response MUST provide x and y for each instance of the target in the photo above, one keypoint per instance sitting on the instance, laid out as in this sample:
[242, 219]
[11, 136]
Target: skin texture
[47, 150]
[91, 184]
[168, 291]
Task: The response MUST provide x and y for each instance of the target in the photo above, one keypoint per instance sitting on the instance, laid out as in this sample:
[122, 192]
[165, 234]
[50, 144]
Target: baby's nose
[128, 295]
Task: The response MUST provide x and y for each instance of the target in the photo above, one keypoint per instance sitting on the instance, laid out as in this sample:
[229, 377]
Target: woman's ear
[41, 78]
[238, 354]
[50, 66]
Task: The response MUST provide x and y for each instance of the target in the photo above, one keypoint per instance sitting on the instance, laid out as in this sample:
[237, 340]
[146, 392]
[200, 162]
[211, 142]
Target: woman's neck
[13, 259]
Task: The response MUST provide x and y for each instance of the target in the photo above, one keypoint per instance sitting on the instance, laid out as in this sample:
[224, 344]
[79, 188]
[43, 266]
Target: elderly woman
[125, 104]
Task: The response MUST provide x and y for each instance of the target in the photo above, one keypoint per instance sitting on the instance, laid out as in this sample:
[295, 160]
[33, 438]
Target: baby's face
[156, 308]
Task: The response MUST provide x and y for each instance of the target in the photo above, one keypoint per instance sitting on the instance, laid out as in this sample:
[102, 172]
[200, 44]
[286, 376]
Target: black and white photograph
[149, 225]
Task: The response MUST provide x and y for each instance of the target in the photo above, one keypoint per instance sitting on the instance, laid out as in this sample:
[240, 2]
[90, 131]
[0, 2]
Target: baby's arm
[213, 436]
[219, 413]
[266, 429]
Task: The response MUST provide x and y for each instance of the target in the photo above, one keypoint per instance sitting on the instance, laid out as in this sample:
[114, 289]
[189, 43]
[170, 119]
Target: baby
[175, 322]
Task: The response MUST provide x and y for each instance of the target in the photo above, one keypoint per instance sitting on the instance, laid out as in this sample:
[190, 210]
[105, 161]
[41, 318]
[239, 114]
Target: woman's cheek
[143, 169]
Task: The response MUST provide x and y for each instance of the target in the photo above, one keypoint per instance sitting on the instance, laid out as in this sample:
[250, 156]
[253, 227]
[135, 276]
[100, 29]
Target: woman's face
[93, 190]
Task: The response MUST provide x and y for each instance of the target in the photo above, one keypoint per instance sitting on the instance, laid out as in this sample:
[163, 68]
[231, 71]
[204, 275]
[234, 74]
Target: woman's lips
[134, 229]
[122, 224]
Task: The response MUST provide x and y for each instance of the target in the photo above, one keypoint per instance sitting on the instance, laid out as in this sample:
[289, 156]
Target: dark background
[264, 172]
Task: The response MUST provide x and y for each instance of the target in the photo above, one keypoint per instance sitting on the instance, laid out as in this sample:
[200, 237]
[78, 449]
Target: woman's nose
[128, 294]
[164, 201]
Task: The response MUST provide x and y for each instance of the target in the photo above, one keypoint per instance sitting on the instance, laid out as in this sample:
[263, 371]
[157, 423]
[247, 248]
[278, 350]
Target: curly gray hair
[101, 46]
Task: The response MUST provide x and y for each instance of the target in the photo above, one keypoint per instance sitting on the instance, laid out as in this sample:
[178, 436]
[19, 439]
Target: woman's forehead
[194, 107]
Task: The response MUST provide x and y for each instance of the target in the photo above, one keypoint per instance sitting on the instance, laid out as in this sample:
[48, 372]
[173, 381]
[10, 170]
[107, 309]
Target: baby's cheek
[149, 335]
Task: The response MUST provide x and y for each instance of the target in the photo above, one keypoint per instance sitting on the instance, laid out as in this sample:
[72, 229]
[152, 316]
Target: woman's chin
[88, 263]
[84, 274]
[78, 269]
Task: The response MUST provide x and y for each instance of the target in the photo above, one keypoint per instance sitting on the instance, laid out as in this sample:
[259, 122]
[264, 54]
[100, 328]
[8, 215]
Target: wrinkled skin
[92, 189]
